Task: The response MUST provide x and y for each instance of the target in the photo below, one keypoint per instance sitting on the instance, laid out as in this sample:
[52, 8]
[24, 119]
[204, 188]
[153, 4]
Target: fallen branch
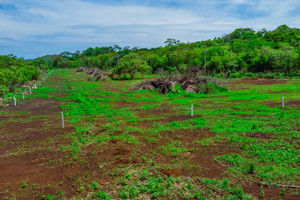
[95, 73]
[280, 185]
[189, 83]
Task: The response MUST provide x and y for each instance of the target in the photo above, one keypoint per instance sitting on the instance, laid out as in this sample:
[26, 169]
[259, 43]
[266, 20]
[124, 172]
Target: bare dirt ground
[241, 84]
[290, 103]
[30, 143]
[261, 81]
[30, 155]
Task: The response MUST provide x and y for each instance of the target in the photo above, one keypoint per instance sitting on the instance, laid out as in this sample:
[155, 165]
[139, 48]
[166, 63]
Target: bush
[15, 71]
[133, 65]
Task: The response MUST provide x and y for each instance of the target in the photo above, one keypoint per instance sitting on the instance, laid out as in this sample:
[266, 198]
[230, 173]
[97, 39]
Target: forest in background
[244, 52]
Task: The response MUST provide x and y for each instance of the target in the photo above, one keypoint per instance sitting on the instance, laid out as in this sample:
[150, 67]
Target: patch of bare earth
[202, 157]
[126, 104]
[292, 103]
[259, 135]
[260, 81]
[270, 192]
[241, 84]
[162, 111]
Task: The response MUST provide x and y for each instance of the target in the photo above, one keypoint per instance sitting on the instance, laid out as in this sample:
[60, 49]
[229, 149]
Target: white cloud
[61, 17]
[135, 24]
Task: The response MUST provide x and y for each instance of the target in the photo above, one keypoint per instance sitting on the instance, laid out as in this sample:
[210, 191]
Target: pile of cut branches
[188, 83]
[96, 74]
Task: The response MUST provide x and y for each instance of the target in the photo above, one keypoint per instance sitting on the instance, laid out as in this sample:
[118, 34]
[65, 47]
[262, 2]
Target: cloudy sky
[33, 28]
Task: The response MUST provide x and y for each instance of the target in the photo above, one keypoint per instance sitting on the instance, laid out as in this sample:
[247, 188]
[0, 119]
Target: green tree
[170, 42]
[133, 65]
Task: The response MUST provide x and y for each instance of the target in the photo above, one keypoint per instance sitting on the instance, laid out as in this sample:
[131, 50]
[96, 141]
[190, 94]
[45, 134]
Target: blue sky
[32, 28]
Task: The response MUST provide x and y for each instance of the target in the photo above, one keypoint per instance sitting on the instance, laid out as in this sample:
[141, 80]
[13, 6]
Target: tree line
[240, 52]
[15, 72]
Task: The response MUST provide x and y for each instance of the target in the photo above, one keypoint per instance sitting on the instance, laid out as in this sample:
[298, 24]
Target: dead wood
[191, 83]
[96, 74]
[280, 185]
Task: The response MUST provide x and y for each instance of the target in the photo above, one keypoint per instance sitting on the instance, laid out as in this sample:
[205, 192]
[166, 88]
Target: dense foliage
[240, 52]
[15, 71]
[133, 65]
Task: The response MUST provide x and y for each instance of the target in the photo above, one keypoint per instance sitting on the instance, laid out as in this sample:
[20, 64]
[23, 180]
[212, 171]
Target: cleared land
[127, 144]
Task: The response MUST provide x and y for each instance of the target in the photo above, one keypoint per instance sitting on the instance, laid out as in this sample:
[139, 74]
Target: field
[123, 144]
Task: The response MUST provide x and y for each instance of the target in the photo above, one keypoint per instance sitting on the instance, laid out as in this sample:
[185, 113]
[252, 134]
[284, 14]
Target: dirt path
[30, 141]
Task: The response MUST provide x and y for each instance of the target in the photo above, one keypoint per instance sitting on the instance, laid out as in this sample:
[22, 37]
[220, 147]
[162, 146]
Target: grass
[175, 148]
[131, 152]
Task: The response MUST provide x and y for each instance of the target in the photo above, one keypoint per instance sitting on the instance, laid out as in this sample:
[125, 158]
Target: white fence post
[15, 101]
[62, 119]
[23, 95]
[192, 110]
[282, 101]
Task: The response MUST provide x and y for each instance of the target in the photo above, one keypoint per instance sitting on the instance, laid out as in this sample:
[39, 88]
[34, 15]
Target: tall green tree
[133, 65]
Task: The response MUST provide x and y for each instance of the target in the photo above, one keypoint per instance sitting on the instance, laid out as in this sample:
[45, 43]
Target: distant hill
[46, 58]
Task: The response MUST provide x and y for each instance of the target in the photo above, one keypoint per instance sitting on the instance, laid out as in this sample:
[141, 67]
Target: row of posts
[30, 92]
[30, 89]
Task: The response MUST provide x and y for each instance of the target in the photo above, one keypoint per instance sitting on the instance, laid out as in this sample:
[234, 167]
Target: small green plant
[144, 175]
[35, 185]
[94, 186]
[24, 185]
[282, 192]
[101, 196]
[175, 148]
[251, 168]
[143, 158]
[80, 189]
[205, 141]
[261, 193]
[61, 183]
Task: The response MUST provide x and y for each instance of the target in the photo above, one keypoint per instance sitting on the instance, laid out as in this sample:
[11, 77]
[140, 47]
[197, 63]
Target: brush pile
[95, 73]
[188, 83]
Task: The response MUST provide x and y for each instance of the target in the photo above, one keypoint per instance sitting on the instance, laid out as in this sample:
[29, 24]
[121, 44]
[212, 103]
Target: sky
[34, 28]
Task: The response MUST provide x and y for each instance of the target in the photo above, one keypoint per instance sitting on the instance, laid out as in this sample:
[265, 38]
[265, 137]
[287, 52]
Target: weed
[80, 189]
[25, 185]
[262, 193]
[94, 186]
[101, 196]
[173, 149]
[35, 185]
[205, 141]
